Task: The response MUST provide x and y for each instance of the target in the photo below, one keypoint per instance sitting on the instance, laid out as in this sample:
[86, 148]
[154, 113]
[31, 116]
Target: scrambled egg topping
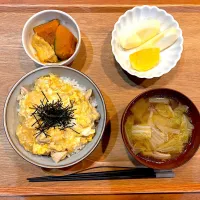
[60, 143]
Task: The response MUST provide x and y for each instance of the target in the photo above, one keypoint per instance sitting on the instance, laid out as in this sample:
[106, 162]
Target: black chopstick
[134, 173]
[92, 178]
[77, 174]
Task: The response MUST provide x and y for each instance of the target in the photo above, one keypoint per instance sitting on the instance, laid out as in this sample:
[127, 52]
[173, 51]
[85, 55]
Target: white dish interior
[168, 58]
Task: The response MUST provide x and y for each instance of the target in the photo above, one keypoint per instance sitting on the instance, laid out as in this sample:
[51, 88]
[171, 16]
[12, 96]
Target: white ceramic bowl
[43, 17]
[169, 57]
[11, 117]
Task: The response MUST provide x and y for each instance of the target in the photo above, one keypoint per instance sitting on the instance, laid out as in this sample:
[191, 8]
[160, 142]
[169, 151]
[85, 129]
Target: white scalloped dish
[168, 57]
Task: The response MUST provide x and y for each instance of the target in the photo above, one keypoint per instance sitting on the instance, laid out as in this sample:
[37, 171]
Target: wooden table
[96, 60]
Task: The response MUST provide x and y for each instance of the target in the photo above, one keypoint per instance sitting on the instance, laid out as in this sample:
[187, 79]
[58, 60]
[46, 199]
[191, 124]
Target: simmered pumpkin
[48, 30]
[65, 43]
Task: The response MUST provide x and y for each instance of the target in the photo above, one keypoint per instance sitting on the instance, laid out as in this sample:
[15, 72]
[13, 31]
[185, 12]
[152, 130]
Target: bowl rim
[70, 59]
[5, 114]
[125, 139]
[140, 75]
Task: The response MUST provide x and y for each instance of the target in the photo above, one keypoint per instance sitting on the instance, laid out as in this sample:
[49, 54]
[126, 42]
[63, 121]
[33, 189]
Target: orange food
[47, 31]
[65, 43]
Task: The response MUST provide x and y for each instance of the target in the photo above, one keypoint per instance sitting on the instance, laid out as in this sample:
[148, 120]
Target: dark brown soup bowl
[192, 145]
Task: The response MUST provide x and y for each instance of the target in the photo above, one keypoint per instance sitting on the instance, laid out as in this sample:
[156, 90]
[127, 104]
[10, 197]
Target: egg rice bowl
[57, 117]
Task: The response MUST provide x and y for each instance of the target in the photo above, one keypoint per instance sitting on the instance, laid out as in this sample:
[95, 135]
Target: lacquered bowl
[192, 145]
[11, 119]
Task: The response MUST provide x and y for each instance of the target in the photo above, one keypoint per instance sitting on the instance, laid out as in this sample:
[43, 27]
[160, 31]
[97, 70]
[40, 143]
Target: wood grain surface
[113, 197]
[96, 60]
[98, 2]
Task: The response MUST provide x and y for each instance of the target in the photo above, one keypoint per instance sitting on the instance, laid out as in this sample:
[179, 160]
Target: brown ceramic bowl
[192, 145]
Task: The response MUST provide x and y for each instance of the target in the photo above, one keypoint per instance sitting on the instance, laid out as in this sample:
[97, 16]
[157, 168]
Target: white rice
[74, 83]
[83, 89]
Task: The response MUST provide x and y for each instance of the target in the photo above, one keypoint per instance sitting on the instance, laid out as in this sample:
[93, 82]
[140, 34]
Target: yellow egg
[145, 59]
[58, 140]
[40, 149]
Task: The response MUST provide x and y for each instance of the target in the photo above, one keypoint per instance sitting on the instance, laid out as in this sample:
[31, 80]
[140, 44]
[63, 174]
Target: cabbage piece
[167, 130]
[186, 128]
[158, 119]
[178, 113]
[150, 121]
[175, 145]
[180, 109]
[128, 126]
[158, 155]
[138, 147]
[158, 100]
[141, 146]
[185, 137]
[141, 132]
[147, 145]
[139, 109]
[157, 138]
[145, 117]
[164, 110]
[174, 122]
[186, 125]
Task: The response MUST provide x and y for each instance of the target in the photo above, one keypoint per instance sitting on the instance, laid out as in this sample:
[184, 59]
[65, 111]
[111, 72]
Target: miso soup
[158, 127]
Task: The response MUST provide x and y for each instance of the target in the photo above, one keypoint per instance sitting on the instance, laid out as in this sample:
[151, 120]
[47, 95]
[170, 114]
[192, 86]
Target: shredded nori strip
[52, 114]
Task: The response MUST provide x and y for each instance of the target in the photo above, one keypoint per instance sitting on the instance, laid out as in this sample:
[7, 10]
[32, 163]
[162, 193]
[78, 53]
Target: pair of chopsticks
[130, 173]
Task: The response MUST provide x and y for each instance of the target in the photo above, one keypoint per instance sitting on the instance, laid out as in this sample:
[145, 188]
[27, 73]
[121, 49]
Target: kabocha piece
[48, 30]
[65, 43]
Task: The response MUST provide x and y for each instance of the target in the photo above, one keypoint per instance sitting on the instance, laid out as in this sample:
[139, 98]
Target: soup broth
[158, 127]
